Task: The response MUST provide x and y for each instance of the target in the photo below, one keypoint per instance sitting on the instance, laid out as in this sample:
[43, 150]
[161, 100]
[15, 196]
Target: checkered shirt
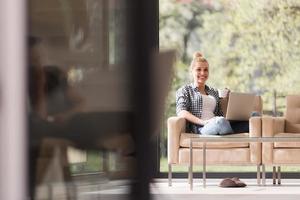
[190, 99]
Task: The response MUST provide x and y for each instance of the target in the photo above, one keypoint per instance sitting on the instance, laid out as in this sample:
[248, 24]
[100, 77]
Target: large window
[251, 46]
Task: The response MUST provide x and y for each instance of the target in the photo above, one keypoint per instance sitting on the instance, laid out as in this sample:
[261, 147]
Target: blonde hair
[197, 58]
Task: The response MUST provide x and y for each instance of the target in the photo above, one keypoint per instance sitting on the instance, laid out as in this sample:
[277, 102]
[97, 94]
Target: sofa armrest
[176, 126]
[255, 127]
[270, 127]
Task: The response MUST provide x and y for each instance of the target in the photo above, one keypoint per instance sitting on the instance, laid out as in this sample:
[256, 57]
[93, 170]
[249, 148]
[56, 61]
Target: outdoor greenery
[222, 168]
[251, 45]
[95, 163]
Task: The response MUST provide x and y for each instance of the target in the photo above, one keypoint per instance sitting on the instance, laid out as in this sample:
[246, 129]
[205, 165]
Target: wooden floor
[290, 189]
[119, 190]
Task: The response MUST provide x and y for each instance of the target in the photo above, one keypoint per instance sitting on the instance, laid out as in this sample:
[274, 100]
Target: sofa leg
[263, 174]
[170, 175]
[279, 175]
[189, 175]
[274, 175]
[258, 175]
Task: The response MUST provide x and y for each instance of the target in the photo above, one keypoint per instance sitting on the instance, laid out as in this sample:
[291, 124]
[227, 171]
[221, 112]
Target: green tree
[178, 24]
[254, 46]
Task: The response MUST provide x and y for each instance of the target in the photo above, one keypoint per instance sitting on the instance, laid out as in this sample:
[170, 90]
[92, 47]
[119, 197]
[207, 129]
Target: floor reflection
[84, 187]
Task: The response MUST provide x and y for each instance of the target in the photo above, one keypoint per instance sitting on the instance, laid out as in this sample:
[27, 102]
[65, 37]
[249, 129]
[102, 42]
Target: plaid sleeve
[182, 100]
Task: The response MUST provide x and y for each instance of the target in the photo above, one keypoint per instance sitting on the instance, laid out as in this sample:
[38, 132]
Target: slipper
[238, 182]
[228, 182]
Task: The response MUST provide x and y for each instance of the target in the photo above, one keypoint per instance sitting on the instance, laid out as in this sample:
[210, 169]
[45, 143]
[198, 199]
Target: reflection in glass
[80, 116]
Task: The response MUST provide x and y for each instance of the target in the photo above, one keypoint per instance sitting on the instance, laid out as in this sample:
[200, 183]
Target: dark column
[143, 41]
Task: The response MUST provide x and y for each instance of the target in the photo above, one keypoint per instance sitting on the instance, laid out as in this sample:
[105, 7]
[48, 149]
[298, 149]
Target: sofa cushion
[292, 114]
[185, 142]
[286, 156]
[287, 144]
[227, 156]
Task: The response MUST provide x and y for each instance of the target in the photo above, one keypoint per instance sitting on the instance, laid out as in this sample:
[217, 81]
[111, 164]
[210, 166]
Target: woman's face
[200, 73]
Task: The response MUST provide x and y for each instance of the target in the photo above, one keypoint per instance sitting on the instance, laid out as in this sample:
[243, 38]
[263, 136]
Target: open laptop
[240, 106]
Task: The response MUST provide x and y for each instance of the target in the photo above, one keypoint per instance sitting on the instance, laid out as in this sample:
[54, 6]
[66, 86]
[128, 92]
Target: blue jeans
[216, 126]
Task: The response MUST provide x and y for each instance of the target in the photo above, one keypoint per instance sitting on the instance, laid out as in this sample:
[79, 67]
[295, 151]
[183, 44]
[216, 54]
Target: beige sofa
[282, 153]
[218, 153]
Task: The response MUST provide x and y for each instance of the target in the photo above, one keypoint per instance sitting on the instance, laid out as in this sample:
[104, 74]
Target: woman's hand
[223, 93]
[207, 121]
[227, 92]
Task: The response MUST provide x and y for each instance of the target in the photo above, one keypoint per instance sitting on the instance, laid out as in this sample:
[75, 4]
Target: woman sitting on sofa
[199, 104]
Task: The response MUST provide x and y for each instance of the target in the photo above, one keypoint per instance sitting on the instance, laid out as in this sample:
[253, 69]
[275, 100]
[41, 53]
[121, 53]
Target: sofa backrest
[292, 114]
[258, 106]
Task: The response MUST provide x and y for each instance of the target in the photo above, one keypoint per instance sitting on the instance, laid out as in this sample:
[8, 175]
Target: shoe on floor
[232, 182]
[227, 182]
[238, 182]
